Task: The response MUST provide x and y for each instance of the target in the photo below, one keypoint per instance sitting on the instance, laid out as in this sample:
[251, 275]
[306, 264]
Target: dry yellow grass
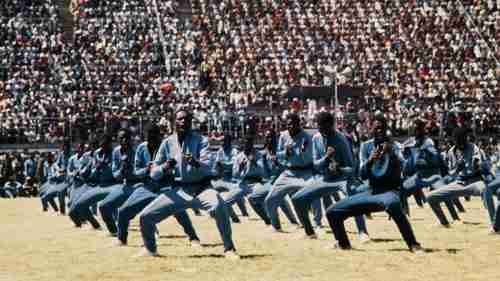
[42, 246]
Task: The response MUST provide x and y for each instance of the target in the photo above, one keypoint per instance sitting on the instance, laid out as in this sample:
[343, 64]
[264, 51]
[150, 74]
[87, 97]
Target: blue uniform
[192, 188]
[421, 168]
[30, 168]
[467, 169]
[260, 192]
[123, 171]
[101, 173]
[144, 193]
[384, 179]
[59, 188]
[227, 183]
[493, 187]
[325, 182]
[10, 189]
[297, 172]
[50, 173]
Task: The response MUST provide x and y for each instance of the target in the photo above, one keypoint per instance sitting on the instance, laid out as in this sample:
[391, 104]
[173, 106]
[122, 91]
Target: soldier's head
[325, 122]
[183, 121]
[124, 137]
[293, 123]
[153, 134]
[460, 136]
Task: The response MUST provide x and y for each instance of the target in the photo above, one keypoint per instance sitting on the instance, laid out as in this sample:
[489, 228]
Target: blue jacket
[461, 164]
[243, 168]
[50, 172]
[74, 167]
[29, 168]
[389, 180]
[227, 159]
[298, 158]
[343, 154]
[423, 158]
[121, 171]
[102, 168]
[142, 158]
[196, 145]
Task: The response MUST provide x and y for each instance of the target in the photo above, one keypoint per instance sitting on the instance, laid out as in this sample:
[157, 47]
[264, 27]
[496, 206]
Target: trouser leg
[139, 199]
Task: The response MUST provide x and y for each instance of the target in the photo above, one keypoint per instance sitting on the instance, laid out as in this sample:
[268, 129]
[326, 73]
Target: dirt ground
[42, 246]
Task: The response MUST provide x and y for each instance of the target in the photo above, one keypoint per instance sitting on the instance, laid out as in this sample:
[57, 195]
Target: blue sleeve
[319, 161]
[26, 164]
[161, 157]
[204, 153]
[71, 166]
[347, 157]
[281, 152]
[363, 160]
[140, 165]
[237, 173]
[116, 164]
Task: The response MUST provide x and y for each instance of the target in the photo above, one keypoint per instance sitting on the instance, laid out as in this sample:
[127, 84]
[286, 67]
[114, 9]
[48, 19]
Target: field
[43, 246]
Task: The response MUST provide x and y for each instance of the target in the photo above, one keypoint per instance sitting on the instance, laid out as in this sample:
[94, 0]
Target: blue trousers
[42, 191]
[63, 193]
[138, 200]
[414, 184]
[51, 193]
[450, 191]
[493, 211]
[256, 200]
[287, 183]
[80, 210]
[224, 185]
[320, 188]
[177, 200]
[369, 202]
[108, 207]
[8, 192]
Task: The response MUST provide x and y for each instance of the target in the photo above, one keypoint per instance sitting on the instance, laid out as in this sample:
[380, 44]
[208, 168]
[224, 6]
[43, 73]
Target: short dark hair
[126, 131]
[106, 139]
[381, 118]
[188, 112]
[460, 133]
[324, 117]
[419, 122]
[293, 116]
[152, 130]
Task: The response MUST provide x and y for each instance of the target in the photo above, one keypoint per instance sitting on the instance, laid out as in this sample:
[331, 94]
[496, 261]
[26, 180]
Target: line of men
[160, 178]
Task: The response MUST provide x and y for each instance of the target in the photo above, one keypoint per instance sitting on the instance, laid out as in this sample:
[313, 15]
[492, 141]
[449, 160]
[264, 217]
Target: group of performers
[165, 176]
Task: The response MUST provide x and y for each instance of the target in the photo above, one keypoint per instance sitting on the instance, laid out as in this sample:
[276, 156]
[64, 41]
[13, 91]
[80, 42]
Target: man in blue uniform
[295, 155]
[381, 163]
[103, 176]
[185, 155]
[468, 167]
[272, 171]
[123, 171]
[333, 163]
[149, 189]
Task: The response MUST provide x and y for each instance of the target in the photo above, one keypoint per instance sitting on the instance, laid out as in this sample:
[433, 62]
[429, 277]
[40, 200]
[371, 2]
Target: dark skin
[460, 142]
[293, 127]
[378, 131]
[183, 124]
[124, 140]
[249, 152]
[154, 140]
[326, 129]
[420, 132]
[227, 142]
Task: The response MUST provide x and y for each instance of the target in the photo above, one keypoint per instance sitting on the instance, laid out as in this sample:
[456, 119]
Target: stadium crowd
[412, 58]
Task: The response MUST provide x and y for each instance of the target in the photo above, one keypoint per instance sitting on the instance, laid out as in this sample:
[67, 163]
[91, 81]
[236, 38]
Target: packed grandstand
[69, 69]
